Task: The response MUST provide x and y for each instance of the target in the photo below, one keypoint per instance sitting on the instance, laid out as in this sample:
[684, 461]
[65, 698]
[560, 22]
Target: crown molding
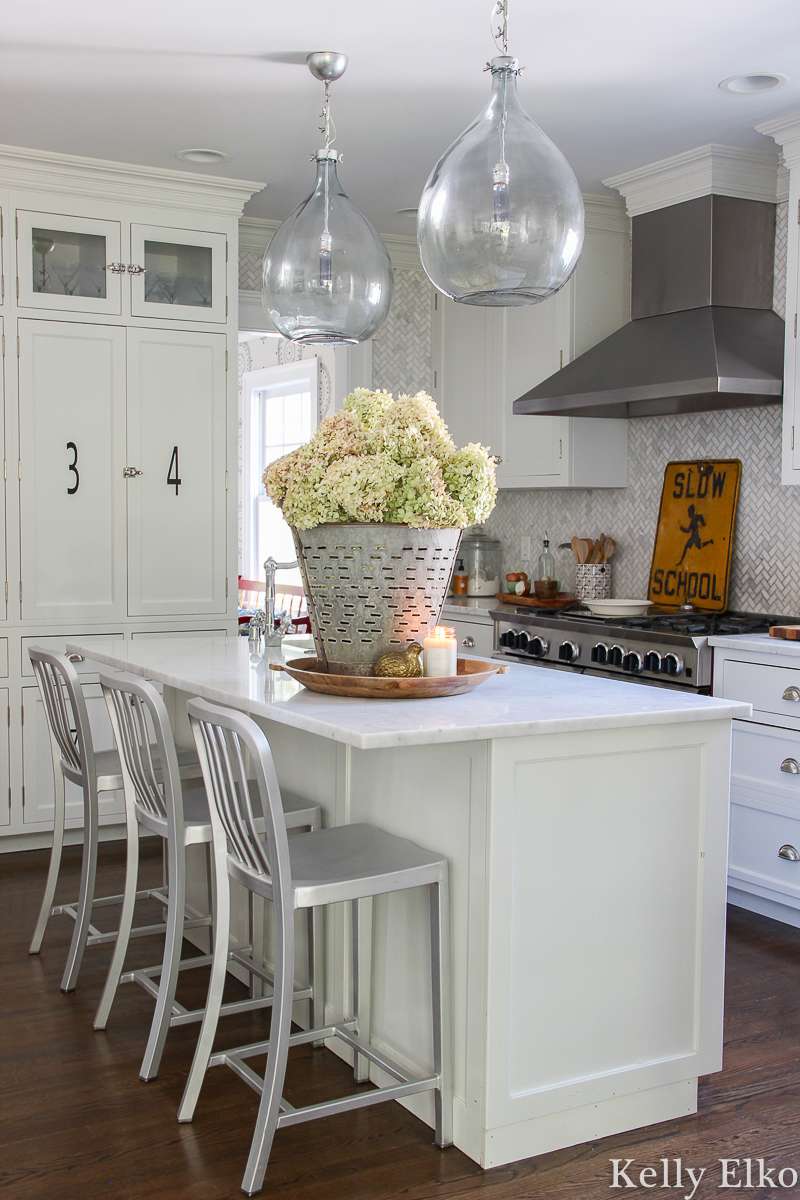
[607, 214]
[706, 170]
[100, 179]
[255, 234]
[786, 132]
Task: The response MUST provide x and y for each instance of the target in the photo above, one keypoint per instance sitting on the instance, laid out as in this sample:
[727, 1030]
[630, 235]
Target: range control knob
[652, 661]
[523, 641]
[568, 651]
[671, 664]
[538, 647]
[632, 662]
[616, 655]
[508, 639]
[600, 653]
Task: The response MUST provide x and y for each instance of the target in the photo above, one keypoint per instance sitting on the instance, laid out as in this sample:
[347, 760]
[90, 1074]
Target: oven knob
[538, 647]
[568, 651]
[652, 661]
[600, 653]
[671, 664]
[616, 655]
[508, 639]
[523, 641]
[632, 662]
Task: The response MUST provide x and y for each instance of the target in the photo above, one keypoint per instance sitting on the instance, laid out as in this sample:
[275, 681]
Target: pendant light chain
[500, 35]
[325, 129]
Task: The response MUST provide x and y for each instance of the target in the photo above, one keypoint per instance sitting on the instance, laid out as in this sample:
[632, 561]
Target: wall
[765, 571]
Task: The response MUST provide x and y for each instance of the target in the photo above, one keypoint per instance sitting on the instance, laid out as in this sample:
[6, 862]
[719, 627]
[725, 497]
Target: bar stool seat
[94, 772]
[346, 863]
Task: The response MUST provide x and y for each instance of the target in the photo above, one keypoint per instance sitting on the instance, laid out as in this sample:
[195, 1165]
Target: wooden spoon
[608, 549]
[577, 549]
[597, 556]
[586, 543]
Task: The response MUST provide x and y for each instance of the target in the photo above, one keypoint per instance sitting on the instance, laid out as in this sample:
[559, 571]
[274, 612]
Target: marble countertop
[756, 643]
[528, 700]
[473, 608]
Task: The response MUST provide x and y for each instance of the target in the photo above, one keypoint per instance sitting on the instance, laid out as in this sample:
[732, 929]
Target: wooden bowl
[471, 673]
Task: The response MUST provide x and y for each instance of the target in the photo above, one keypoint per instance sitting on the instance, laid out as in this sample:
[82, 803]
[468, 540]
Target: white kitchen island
[585, 821]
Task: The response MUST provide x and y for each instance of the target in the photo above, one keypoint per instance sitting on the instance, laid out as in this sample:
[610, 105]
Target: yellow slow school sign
[694, 541]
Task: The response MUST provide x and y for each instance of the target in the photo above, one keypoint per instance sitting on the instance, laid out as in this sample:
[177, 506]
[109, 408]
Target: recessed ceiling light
[753, 81]
[406, 212]
[203, 156]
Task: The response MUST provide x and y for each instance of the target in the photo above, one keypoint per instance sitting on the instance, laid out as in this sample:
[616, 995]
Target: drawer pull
[469, 642]
[790, 766]
[791, 693]
[76, 658]
[789, 852]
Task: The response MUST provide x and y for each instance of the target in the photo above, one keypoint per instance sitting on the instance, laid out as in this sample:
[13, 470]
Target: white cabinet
[178, 274]
[37, 761]
[71, 458]
[177, 506]
[764, 854]
[486, 358]
[3, 533]
[5, 754]
[68, 263]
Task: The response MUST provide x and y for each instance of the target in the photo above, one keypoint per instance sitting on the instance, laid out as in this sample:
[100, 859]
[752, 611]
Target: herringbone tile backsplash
[401, 349]
[765, 572]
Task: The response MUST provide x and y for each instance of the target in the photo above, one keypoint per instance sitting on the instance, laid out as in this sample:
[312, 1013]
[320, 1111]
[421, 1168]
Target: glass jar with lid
[481, 556]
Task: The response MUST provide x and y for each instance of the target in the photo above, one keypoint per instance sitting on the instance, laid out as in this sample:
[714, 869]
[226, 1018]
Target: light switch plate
[525, 549]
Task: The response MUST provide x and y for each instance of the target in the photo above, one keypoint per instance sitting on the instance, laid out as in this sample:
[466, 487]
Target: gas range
[663, 648]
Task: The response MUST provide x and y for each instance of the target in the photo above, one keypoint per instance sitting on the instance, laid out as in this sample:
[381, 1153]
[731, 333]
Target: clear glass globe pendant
[501, 218]
[326, 274]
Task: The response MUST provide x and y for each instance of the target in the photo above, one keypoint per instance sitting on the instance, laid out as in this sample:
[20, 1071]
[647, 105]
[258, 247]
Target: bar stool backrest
[131, 701]
[221, 735]
[65, 709]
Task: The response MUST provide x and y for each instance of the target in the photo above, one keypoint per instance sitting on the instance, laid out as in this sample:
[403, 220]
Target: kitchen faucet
[262, 623]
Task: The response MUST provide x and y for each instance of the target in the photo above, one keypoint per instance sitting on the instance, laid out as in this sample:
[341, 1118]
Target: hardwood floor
[76, 1122]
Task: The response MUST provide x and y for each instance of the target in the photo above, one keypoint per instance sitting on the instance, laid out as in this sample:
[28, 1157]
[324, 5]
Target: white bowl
[617, 608]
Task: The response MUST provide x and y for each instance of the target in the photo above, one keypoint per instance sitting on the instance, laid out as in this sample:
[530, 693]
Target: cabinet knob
[469, 642]
[789, 852]
[131, 472]
[791, 693]
[790, 767]
[133, 269]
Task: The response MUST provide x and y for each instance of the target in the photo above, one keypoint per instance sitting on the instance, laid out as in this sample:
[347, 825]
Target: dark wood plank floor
[76, 1122]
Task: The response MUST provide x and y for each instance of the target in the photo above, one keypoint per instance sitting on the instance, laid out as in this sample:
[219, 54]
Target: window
[279, 414]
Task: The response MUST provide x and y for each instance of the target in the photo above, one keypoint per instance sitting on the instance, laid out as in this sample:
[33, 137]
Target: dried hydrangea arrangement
[381, 459]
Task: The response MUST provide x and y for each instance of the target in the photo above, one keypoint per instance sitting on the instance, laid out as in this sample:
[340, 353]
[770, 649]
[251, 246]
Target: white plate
[617, 608]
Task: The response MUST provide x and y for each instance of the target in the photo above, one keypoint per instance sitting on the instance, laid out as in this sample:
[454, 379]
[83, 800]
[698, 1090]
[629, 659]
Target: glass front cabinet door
[70, 264]
[178, 274]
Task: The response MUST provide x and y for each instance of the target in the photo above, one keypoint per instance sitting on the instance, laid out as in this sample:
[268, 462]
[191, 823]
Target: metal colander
[372, 588]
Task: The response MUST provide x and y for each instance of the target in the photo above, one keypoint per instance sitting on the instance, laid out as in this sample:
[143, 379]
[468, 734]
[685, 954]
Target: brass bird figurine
[398, 664]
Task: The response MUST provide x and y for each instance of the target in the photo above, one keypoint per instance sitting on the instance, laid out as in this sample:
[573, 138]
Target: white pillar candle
[440, 652]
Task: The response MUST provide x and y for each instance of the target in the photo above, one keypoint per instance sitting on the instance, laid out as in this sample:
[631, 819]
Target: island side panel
[605, 931]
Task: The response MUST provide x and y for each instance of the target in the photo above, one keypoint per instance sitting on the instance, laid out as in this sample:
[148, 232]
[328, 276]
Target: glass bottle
[501, 218]
[547, 564]
[327, 275]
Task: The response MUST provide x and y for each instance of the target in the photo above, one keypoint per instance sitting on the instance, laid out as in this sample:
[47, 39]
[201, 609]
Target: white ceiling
[616, 84]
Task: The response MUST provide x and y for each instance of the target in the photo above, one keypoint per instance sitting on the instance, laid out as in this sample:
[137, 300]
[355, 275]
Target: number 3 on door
[172, 474]
[73, 467]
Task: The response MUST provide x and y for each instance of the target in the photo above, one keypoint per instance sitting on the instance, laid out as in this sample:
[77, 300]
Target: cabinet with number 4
[122, 445]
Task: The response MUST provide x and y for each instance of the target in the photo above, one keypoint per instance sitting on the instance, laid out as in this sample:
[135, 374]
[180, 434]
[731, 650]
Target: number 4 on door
[173, 480]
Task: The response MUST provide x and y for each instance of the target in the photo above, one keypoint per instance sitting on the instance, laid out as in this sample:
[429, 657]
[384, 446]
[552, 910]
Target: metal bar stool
[345, 863]
[157, 801]
[75, 758]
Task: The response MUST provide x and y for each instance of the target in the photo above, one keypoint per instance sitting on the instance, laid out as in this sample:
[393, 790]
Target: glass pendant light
[326, 275]
[501, 218]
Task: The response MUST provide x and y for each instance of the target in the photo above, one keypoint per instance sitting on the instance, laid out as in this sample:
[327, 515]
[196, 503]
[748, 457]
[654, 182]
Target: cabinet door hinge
[226, 360]
[226, 587]
[226, 250]
[2, 285]
[16, 226]
[18, 287]
[5, 469]
[435, 378]
[9, 724]
[559, 447]
[17, 342]
[436, 300]
[19, 468]
[226, 306]
[1, 224]
[22, 713]
[226, 481]
[793, 437]
[4, 345]
[6, 591]
[798, 212]
[795, 324]
[560, 359]
[20, 591]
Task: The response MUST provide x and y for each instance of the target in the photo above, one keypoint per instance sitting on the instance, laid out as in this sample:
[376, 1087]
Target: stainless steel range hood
[702, 334]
